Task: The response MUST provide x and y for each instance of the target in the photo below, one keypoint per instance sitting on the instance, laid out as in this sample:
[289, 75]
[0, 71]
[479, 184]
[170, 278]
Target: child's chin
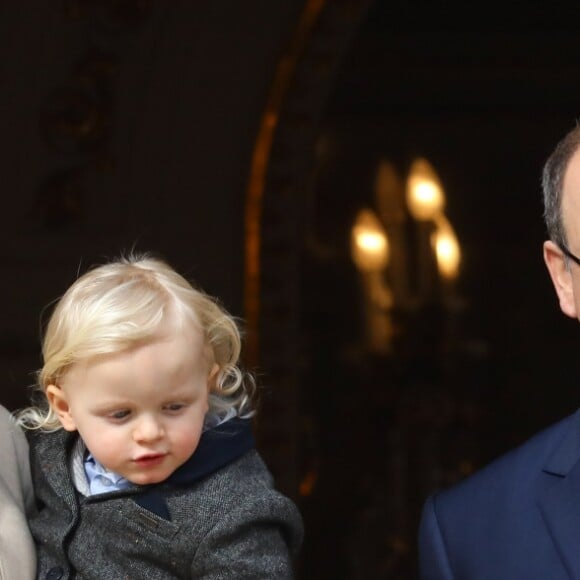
[147, 478]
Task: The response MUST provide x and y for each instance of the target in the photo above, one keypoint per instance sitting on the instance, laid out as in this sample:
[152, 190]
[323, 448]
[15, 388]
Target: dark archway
[485, 100]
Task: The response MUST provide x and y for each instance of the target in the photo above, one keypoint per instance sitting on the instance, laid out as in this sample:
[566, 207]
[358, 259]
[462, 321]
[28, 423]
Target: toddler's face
[140, 412]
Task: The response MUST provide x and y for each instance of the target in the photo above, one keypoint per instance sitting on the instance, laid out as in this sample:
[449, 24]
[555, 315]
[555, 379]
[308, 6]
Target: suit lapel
[559, 497]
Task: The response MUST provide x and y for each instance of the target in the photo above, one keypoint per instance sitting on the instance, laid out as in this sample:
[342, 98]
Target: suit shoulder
[514, 470]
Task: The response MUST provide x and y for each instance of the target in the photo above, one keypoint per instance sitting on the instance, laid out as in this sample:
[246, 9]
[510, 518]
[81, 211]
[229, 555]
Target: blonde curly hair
[117, 305]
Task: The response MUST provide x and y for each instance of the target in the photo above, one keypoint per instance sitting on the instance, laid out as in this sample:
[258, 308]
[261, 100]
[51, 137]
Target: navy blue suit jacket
[516, 519]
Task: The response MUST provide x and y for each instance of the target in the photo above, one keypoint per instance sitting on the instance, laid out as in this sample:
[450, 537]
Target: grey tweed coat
[217, 517]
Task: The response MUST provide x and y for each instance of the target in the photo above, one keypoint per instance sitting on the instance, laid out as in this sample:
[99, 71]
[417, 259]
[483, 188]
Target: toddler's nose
[148, 429]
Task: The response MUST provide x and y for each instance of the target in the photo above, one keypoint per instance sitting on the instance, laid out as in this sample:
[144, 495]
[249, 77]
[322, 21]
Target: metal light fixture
[397, 271]
[370, 253]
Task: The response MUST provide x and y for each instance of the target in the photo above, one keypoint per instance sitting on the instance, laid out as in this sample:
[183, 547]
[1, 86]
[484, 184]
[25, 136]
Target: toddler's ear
[59, 404]
[212, 377]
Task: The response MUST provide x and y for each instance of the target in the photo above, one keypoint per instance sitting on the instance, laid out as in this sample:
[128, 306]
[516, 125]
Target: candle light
[425, 197]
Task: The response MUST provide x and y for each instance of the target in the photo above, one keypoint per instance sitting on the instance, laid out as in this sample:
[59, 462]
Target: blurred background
[359, 181]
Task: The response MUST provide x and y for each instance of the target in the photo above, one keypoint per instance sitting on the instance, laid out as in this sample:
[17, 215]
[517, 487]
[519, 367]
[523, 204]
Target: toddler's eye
[119, 415]
[174, 406]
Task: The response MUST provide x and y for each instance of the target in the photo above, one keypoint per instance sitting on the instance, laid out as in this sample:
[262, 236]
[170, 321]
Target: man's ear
[561, 278]
[59, 404]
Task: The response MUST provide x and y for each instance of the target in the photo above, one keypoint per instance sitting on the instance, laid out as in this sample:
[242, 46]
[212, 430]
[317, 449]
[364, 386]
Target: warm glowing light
[447, 250]
[427, 193]
[369, 242]
[425, 197]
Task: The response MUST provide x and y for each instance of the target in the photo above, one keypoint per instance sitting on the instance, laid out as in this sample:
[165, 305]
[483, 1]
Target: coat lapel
[559, 498]
[49, 464]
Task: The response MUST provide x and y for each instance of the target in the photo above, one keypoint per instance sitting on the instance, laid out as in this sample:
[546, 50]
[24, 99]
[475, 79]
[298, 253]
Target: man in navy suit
[519, 517]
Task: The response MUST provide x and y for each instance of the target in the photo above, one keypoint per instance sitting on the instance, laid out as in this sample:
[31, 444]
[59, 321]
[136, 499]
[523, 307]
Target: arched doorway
[484, 99]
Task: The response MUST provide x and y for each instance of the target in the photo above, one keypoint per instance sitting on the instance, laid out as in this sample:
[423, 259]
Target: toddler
[142, 454]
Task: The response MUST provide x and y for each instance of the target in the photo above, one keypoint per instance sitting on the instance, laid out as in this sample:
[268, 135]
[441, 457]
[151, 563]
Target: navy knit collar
[217, 447]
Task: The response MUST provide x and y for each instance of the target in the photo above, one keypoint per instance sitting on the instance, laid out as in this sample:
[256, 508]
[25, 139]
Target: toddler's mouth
[150, 459]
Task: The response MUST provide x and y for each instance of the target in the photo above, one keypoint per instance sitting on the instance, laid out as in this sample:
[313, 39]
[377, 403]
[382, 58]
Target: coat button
[55, 573]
